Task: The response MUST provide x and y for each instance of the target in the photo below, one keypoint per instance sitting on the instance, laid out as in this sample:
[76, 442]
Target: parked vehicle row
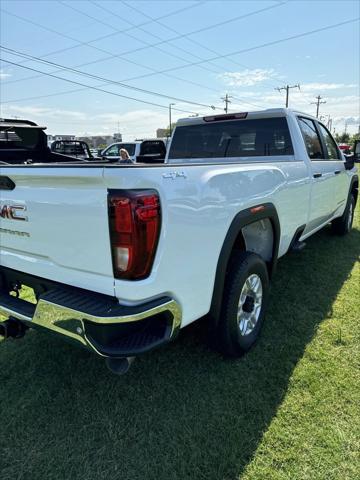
[120, 257]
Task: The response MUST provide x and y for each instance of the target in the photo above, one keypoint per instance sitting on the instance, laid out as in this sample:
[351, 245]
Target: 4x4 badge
[174, 175]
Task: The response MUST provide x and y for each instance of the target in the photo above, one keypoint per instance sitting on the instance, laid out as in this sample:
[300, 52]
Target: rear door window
[311, 138]
[331, 149]
[233, 138]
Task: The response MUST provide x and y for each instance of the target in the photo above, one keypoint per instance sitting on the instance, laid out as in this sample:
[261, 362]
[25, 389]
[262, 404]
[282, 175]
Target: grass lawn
[290, 409]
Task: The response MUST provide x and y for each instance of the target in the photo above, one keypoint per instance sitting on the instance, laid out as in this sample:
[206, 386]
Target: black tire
[230, 341]
[343, 224]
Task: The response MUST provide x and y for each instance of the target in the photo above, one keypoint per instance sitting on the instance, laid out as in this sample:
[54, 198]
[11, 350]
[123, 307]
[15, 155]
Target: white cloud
[347, 120]
[4, 75]
[133, 124]
[246, 78]
[33, 111]
[310, 87]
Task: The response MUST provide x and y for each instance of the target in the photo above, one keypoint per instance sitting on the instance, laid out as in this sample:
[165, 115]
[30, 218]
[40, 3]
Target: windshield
[235, 138]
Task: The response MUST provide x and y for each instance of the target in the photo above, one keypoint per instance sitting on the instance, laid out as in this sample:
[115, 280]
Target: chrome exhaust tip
[11, 328]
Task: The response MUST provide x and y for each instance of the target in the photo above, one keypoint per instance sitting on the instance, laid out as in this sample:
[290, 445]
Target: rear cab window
[232, 139]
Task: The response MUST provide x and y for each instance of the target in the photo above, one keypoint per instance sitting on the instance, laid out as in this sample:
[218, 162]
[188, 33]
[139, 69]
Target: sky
[186, 53]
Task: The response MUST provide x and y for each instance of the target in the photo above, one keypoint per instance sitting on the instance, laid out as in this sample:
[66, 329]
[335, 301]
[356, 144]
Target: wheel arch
[235, 237]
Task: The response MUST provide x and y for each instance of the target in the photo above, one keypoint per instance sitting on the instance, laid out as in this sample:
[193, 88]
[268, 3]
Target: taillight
[134, 217]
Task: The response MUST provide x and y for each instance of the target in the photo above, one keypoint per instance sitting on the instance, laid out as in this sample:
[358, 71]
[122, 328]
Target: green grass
[290, 409]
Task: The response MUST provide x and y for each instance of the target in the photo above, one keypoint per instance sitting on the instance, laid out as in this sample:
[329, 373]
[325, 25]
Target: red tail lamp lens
[134, 217]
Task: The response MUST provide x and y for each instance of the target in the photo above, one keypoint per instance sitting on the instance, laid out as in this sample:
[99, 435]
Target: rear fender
[242, 219]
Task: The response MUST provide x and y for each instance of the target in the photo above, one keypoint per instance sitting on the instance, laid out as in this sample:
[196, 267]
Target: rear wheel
[342, 225]
[244, 302]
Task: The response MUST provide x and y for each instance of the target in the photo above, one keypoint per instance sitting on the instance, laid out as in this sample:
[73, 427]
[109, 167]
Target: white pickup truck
[146, 151]
[122, 256]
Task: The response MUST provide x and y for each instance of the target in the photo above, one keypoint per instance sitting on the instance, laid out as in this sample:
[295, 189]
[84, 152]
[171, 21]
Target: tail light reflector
[134, 218]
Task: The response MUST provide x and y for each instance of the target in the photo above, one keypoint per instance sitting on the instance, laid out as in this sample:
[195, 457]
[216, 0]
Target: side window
[311, 138]
[332, 152]
[112, 151]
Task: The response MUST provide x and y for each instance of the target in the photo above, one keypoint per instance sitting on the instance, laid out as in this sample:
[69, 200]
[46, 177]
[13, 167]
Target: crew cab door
[322, 203]
[336, 163]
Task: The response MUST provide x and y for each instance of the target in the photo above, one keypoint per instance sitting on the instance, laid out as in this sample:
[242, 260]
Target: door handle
[337, 172]
[317, 175]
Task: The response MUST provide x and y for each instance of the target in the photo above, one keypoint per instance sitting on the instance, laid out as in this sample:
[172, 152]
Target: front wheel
[244, 302]
[342, 225]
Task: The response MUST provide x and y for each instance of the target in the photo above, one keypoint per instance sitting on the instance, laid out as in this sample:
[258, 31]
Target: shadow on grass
[182, 412]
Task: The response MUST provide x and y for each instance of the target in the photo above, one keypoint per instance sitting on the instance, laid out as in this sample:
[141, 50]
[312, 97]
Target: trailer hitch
[12, 328]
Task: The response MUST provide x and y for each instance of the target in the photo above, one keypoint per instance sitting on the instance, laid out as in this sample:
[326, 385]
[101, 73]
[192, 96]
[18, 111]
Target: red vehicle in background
[345, 148]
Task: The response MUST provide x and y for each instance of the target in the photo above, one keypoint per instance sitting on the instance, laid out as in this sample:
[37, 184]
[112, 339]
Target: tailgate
[65, 234]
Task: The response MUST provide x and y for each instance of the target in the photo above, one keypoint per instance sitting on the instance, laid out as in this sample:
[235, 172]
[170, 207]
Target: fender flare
[243, 218]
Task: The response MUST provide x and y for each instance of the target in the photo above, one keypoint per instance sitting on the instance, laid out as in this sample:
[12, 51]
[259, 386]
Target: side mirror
[349, 163]
[357, 151]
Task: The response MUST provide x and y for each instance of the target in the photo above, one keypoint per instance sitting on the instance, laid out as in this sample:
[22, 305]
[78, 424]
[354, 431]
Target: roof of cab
[270, 112]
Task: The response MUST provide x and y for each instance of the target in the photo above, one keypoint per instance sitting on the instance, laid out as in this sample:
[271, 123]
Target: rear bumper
[97, 322]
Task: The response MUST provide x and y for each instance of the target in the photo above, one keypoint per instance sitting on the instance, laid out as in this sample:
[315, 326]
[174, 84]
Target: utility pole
[317, 103]
[227, 101]
[170, 128]
[329, 125]
[287, 88]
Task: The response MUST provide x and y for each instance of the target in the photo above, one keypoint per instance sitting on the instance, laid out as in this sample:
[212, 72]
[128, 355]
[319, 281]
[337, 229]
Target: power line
[287, 88]
[317, 103]
[171, 29]
[257, 47]
[96, 77]
[190, 82]
[120, 55]
[153, 70]
[195, 42]
[93, 87]
[203, 29]
[274, 42]
[101, 7]
[77, 90]
[102, 37]
[105, 51]
[79, 43]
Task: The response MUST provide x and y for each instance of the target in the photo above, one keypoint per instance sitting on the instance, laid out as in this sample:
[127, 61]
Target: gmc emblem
[13, 212]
